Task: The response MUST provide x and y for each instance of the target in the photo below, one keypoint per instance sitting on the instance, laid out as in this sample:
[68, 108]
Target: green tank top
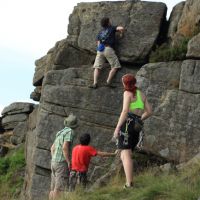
[138, 104]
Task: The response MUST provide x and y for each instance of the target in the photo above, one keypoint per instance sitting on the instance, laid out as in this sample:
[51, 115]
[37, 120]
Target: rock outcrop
[172, 132]
[14, 123]
[194, 48]
[142, 21]
[64, 74]
[184, 21]
[174, 19]
[62, 77]
[190, 20]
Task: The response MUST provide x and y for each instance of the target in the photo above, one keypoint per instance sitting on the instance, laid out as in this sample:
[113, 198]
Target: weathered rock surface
[62, 56]
[176, 112]
[190, 19]
[10, 121]
[1, 127]
[66, 91]
[63, 75]
[19, 133]
[194, 47]
[18, 107]
[36, 94]
[14, 120]
[174, 19]
[190, 164]
[142, 21]
[190, 81]
[5, 139]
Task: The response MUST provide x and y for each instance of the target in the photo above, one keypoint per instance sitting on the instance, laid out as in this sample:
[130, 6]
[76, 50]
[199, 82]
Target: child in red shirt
[81, 155]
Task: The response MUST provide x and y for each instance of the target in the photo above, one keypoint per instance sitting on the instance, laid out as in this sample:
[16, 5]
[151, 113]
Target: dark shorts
[128, 137]
[77, 178]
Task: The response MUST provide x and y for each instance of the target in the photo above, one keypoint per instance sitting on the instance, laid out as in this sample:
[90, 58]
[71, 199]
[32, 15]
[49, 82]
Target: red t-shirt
[81, 155]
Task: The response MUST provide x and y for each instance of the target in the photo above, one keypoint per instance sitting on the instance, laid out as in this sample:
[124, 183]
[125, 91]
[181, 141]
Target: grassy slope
[150, 185]
[11, 174]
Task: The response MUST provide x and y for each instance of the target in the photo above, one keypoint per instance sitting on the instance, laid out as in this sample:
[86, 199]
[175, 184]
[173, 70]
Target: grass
[166, 53]
[12, 174]
[149, 185]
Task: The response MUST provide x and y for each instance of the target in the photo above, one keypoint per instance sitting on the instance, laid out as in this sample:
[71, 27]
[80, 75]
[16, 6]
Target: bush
[12, 173]
[166, 53]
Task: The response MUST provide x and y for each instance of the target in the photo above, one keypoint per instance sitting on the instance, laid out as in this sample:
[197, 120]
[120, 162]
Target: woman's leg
[126, 157]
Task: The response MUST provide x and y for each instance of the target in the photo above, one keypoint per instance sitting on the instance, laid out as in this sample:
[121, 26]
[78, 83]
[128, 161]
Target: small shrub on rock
[165, 52]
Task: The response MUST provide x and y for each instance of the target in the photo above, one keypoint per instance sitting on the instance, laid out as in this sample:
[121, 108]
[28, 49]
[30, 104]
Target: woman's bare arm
[123, 115]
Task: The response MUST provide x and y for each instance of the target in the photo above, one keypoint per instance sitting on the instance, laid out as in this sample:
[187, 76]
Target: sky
[28, 29]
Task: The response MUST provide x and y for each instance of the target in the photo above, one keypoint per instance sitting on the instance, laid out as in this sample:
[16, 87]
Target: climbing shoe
[110, 85]
[93, 86]
[127, 186]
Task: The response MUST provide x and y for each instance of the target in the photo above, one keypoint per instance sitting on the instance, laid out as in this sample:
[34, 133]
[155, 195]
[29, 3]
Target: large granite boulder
[62, 56]
[66, 91]
[190, 74]
[172, 132]
[194, 47]
[15, 113]
[190, 20]
[174, 19]
[36, 94]
[142, 21]
[63, 75]
[19, 133]
[17, 108]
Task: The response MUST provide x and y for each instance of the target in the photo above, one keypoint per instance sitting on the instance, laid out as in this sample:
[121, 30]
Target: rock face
[142, 21]
[63, 75]
[66, 91]
[1, 127]
[15, 113]
[190, 19]
[14, 123]
[174, 19]
[194, 48]
[172, 90]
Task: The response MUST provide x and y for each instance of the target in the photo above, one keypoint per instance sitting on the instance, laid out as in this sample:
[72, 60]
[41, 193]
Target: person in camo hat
[60, 162]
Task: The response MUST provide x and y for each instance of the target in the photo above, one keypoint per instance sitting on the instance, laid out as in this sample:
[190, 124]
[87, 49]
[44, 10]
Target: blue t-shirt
[107, 36]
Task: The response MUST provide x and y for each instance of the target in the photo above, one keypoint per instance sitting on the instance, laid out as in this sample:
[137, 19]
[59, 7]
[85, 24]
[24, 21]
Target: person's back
[65, 134]
[107, 36]
[81, 156]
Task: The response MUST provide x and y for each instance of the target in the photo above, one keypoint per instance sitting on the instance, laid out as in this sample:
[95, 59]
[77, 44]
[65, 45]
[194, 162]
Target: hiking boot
[93, 86]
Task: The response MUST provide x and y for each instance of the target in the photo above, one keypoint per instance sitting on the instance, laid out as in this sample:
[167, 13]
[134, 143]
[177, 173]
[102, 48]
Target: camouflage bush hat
[71, 121]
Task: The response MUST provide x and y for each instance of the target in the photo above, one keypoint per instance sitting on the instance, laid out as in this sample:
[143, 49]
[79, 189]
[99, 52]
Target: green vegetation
[166, 52]
[12, 173]
[149, 185]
